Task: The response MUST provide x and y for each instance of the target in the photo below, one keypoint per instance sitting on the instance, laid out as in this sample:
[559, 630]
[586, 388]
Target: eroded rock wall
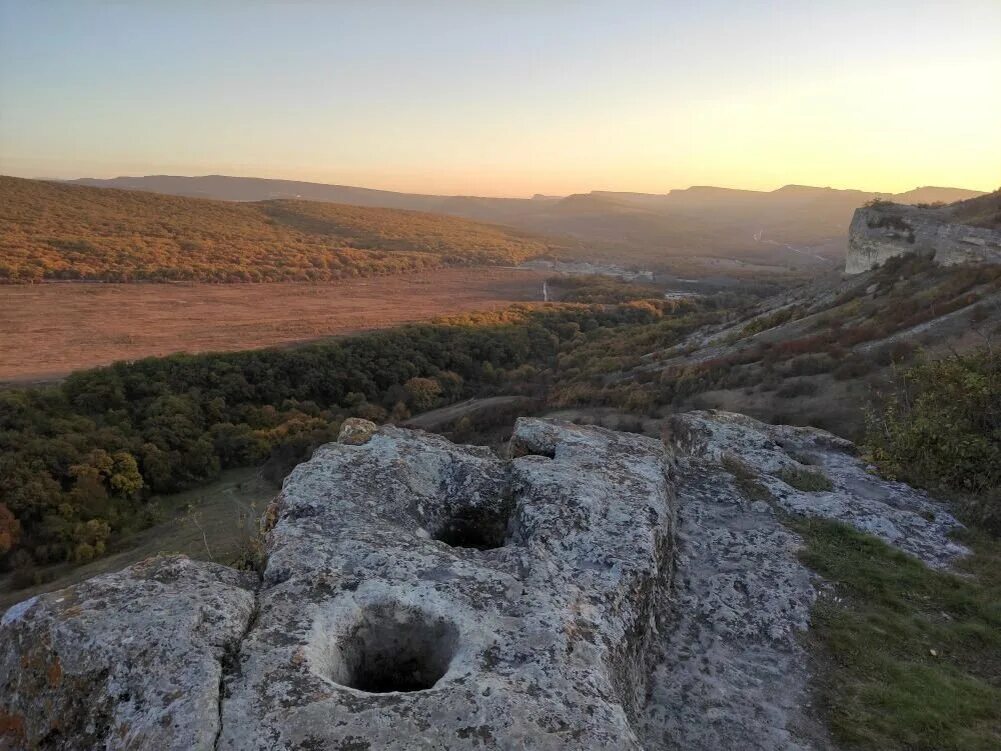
[885, 231]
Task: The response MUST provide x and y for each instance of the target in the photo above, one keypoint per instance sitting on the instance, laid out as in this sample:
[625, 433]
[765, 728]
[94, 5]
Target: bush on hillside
[940, 428]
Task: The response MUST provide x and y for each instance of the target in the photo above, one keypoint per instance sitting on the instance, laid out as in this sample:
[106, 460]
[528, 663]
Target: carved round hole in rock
[480, 529]
[392, 647]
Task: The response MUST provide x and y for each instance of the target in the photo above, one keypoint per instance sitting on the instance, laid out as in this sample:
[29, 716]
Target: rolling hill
[795, 227]
[59, 231]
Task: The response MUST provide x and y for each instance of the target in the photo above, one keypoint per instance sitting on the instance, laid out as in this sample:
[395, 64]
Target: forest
[58, 231]
[81, 460]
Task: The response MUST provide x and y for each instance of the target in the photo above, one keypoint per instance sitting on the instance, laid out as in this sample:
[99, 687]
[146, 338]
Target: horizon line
[524, 197]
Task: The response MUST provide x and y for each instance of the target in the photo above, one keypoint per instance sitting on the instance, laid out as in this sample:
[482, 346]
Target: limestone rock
[893, 511]
[731, 671]
[880, 232]
[417, 594]
[421, 594]
[127, 660]
[596, 591]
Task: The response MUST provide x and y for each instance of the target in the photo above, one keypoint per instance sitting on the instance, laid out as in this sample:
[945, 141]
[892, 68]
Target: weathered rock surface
[892, 511]
[127, 660]
[597, 591]
[421, 594]
[731, 670]
[884, 231]
[418, 594]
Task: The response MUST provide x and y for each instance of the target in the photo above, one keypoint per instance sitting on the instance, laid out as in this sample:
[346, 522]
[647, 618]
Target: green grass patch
[805, 479]
[914, 654]
[746, 479]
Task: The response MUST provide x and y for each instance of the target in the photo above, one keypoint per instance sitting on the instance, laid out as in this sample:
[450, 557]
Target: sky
[507, 98]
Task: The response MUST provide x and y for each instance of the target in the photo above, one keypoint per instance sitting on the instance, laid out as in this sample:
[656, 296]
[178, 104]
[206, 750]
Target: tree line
[80, 461]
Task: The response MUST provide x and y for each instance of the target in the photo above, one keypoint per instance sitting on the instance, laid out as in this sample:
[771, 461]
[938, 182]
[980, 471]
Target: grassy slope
[812, 356]
[984, 211]
[59, 231]
[913, 655]
[909, 657]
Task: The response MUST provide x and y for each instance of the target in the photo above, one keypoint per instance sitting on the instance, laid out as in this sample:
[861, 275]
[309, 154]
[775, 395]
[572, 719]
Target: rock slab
[131, 660]
[417, 594]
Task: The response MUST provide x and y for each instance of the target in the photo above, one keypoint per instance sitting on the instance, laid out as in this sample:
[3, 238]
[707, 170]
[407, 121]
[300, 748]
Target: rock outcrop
[887, 230]
[417, 594]
[596, 591]
[731, 671]
[127, 660]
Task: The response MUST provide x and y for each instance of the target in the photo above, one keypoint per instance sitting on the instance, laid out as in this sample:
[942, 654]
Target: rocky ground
[598, 590]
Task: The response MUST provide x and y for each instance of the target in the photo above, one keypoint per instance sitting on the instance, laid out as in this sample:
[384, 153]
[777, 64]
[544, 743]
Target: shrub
[806, 365]
[854, 366]
[940, 428]
[894, 352]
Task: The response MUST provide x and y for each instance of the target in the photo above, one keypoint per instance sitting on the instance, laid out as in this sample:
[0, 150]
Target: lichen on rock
[419, 589]
[126, 660]
[418, 594]
[597, 590]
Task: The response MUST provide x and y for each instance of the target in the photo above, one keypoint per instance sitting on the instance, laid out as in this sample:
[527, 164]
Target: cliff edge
[964, 232]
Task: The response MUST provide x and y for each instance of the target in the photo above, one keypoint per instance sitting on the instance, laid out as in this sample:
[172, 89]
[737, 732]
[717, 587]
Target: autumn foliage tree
[66, 232]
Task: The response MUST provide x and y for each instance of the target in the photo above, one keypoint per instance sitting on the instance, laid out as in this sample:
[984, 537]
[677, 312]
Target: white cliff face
[599, 590]
[885, 231]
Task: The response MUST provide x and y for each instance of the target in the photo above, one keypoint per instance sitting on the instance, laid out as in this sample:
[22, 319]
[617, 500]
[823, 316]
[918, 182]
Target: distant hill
[795, 226]
[226, 188]
[62, 231]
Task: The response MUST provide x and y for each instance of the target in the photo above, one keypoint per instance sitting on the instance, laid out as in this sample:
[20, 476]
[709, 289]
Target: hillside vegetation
[809, 357]
[983, 211]
[692, 232]
[81, 461]
[64, 232]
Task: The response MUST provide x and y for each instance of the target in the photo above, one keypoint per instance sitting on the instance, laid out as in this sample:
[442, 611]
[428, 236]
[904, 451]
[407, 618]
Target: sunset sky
[507, 98]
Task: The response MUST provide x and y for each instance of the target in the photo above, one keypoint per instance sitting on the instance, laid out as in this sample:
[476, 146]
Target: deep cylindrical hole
[390, 648]
[477, 531]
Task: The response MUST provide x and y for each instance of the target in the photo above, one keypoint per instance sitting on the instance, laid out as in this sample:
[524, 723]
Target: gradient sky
[507, 98]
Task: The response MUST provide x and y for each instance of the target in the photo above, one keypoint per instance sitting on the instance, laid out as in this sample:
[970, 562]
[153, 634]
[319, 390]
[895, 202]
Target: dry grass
[48, 330]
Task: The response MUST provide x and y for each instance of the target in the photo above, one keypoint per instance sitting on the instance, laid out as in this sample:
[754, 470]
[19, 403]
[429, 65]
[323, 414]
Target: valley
[52, 329]
[467, 376]
[212, 393]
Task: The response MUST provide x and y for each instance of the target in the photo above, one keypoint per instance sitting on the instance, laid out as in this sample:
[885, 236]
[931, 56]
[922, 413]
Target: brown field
[48, 330]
